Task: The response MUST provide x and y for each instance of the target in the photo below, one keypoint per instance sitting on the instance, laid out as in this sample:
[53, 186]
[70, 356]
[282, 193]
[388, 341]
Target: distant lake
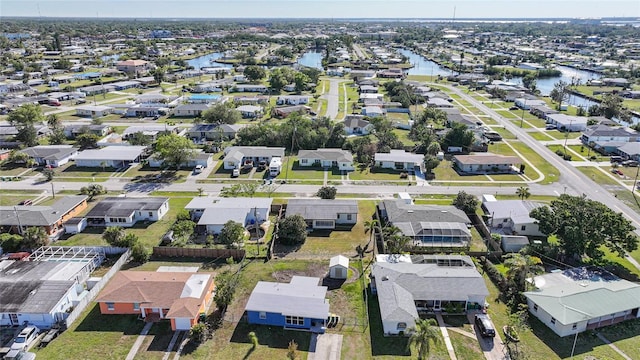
[545, 85]
[207, 61]
[311, 59]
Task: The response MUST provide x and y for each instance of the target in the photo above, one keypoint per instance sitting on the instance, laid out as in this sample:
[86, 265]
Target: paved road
[571, 178]
[332, 97]
[359, 51]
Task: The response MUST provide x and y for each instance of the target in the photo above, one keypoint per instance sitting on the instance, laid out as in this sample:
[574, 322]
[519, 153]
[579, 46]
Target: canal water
[207, 61]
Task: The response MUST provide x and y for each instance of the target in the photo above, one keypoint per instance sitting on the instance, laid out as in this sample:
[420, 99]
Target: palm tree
[520, 267]
[523, 192]
[424, 333]
[370, 227]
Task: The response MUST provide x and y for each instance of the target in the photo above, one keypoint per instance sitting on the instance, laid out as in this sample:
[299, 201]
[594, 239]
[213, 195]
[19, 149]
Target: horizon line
[626, 18]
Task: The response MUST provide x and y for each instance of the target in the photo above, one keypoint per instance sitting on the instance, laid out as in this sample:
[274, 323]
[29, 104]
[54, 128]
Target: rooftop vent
[385, 278]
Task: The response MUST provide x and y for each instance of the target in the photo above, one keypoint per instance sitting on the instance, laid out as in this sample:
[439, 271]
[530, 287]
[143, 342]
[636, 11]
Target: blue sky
[321, 8]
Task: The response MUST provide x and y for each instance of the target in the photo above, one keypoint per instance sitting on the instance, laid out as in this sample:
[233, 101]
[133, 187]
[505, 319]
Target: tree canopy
[254, 73]
[93, 190]
[292, 230]
[231, 233]
[583, 226]
[466, 202]
[174, 150]
[458, 136]
[221, 113]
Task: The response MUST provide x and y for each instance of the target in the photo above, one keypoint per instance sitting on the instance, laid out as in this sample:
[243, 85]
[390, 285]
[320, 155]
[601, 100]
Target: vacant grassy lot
[506, 134]
[550, 172]
[598, 176]
[541, 135]
[376, 173]
[11, 169]
[584, 151]
[445, 172]
[403, 135]
[561, 135]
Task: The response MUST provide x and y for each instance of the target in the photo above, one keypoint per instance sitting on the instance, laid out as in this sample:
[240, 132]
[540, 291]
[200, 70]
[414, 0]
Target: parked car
[19, 355]
[198, 169]
[550, 127]
[485, 325]
[235, 173]
[513, 108]
[616, 159]
[25, 338]
[52, 334]
[631, 163]
[25, 202]
[616, 171]
[262, 165]
[81, 101]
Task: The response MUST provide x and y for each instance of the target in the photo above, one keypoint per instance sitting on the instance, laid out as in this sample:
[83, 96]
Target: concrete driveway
[325, 347]
[493, 348]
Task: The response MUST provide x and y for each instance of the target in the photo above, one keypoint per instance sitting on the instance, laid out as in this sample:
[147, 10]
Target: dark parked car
[485, 325]
[52, 334]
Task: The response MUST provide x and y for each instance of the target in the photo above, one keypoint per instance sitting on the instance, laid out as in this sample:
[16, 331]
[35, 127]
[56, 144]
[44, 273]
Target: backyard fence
[166, 251]
[88, 299]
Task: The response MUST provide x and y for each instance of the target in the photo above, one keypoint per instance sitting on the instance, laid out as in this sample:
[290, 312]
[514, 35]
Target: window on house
[324, 223]
[505, 220]
[136, 306]
[303, 161]
[535, 307]
[111, 306]
[263, 315]
[523, 228]
[553, 320]
[349, 216]
[402, 326]
[150, 213]
[575, 326]
[294, 320]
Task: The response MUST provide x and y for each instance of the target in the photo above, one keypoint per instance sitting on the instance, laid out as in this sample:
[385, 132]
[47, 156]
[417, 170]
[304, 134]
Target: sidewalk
[139, 341]
[445, 335]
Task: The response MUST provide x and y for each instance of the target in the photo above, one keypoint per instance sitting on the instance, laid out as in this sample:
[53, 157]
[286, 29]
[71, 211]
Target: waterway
[311, 59]
[207, 61]
[422, 65]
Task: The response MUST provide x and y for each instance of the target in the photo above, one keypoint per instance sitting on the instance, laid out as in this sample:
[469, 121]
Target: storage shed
[75, 225]
[338, 267]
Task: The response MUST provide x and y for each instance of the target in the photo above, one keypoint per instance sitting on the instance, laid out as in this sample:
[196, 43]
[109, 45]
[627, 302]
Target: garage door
[183, 323]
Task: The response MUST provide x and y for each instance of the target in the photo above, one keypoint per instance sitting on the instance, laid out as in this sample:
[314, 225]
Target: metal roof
[320, 209]
[326, 154]
[124, 206]
[126, 153]
[301, 297]
[400, 156]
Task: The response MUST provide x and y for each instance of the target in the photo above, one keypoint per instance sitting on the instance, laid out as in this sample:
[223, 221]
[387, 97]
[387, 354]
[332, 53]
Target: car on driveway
[25, 338]
[198, 169]
[485, 326]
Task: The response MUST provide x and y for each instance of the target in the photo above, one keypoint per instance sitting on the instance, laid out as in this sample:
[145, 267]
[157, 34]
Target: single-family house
[338, 267]
[630, 150]
[621, 82]
[368, 89]
[251, 100]
[148, 110]
[356, 125]
[133, 67]
[201, 132]
[236, 156]
[528, 103]
[300, 304]
[542, 111]
[211, 213]
[327, 158]
[372, 111]
[51, 218]
[486, 163]
[438, 103]
[250, 88]
[40, 292]
[285, 111]
[203, 99]
[127, 211]
[601, 135]
[181, 297]
[324, 213]
[568, 122]
[250, 111]
[200, 158]
[190, 110]
[93, 111]
[399, 160]
[72, 131]
[110, 156]
[292, 100]
[150, 131]
[51, 155]
[409, 286]
[511, 217]
[585, 298]
[427, 225]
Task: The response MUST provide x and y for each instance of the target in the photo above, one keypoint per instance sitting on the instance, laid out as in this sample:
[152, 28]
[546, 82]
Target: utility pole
[15, 211]
[53, 192]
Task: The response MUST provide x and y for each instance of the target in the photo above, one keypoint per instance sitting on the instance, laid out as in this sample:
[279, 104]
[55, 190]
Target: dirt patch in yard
[313, 270]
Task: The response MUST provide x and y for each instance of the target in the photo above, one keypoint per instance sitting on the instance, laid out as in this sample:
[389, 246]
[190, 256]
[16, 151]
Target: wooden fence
[167, 251]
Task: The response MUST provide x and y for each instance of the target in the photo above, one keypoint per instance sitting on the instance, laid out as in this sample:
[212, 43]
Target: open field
[376, 173]
[550, 172]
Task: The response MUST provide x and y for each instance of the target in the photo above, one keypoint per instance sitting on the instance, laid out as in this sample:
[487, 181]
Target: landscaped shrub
[567, 157]
[404, 175]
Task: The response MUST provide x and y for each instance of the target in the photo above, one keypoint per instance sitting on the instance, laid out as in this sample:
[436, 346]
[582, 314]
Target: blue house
[299, 305]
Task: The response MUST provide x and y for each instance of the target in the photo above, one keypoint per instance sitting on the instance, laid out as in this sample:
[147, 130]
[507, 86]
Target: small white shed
[75, 225]
[338, 267]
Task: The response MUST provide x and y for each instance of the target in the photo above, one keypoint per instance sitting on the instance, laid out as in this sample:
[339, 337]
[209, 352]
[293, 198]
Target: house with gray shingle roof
[127, 211]
[235, 156]
[52, 155]
[580, 299]
[324, 213]
[424, 284]
[427, 225]
[356, 125]
[327, 158]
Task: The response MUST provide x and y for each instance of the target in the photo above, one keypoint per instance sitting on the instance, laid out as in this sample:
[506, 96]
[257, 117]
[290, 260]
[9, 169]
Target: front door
[13, 318]
[436, 305]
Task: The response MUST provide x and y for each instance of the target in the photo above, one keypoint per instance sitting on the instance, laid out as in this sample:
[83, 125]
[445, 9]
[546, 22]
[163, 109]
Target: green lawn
[506, 134]
[551, 173]
[445, 172]
[541, 136]
[94, 336]
[70, 170]
[501, 148]
[561, 135]
[403, 135]
[9, 200]
[375, 173]
[584, 151]
[298, 172]
[465, 348]
[598, 176]
[10, 169]
[146, 173]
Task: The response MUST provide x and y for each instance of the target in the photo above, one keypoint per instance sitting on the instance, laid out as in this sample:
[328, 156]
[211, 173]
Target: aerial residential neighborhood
[374, 187]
